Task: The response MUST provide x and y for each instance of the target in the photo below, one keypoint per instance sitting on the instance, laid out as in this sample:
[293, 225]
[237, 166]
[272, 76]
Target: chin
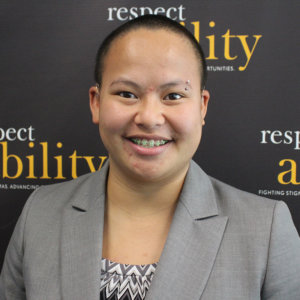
[147, 173]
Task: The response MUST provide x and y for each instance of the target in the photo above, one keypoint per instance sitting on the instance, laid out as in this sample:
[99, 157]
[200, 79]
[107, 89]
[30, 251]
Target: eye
[173, 96]
[125, 94]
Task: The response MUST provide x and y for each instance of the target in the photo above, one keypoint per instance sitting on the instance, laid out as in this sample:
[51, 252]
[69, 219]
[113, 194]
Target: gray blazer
[224, 244]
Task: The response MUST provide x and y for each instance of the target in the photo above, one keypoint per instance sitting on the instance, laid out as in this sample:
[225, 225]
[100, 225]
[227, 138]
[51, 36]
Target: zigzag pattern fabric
[125, 282]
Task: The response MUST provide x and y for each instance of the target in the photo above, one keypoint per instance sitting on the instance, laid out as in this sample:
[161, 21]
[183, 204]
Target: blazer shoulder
[49, 201]
[60, 190]
[245, 210]
[226, 193]
[227, 200]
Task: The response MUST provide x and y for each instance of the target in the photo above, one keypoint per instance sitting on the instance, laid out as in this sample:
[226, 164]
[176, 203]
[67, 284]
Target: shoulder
[47, 205]
[247, 212]
[229, 197]
[45, 210]
[230, 201]
[266, 221]
[60, 194]
[64, 190]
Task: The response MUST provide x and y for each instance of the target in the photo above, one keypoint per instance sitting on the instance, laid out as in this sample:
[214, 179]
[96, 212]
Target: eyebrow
[127, 82]
[137, 86]
[174, 83]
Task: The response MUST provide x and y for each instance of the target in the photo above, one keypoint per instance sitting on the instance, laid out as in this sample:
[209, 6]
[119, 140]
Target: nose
[150, 114]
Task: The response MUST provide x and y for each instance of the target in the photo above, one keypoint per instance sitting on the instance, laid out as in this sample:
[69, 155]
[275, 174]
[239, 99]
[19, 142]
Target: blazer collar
[188, 256]
[91, 190]
[198, 194]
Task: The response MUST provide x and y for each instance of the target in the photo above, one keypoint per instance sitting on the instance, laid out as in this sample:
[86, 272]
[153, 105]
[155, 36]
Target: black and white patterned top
[125, 282]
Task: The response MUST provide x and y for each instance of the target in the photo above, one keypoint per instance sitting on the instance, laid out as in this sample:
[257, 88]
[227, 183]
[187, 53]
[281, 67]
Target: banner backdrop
[252, 135]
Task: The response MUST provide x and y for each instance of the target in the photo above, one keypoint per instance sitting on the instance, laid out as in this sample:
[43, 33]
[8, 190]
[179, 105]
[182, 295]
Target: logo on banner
[33, 160]
[234, 51]
[288, 174]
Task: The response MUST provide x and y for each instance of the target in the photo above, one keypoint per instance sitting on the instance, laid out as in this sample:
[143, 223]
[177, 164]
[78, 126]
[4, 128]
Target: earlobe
[94, 103]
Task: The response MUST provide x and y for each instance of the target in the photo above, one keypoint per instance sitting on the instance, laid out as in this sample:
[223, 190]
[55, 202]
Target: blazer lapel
[189, 253]
[82, 235]
[192, 244]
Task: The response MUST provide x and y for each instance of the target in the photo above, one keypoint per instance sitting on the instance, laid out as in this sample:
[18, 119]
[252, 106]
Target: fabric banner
[251, 139]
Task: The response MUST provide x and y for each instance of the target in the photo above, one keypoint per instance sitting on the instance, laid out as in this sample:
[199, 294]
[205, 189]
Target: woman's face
[149, 107]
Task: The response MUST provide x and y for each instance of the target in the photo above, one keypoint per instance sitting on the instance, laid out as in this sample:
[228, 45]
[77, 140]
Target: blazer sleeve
[12, 285]
[282, 280]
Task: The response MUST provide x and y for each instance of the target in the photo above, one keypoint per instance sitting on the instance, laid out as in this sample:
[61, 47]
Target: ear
[204, 103]
[94, 95]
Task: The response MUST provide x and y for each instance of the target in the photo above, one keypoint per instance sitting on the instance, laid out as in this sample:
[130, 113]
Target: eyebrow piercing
[187, 83]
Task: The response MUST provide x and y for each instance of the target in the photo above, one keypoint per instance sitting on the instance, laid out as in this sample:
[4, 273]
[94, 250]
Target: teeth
[149, 143]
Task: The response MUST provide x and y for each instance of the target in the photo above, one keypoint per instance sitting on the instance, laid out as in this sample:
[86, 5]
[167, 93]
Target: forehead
[148, 49]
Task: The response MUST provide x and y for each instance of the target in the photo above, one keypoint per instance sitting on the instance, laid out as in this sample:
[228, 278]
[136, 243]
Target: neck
[142, 199]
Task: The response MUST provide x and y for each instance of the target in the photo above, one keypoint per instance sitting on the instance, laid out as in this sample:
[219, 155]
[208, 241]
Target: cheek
[112, 118]
[188, 122]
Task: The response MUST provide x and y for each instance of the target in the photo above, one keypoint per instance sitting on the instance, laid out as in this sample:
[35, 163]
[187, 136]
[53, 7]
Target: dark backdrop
[252, 132]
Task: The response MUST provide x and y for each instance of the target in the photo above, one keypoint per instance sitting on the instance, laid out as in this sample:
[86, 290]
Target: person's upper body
[223, 244]
[152, 205]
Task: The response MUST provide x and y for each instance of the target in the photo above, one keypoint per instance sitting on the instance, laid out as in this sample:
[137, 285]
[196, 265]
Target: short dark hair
[151, 22]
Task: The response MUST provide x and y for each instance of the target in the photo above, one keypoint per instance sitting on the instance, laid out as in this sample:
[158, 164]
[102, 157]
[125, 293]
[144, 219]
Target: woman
[151, 224]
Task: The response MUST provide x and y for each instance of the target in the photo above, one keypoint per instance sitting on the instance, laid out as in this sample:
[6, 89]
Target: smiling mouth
[148, 143]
